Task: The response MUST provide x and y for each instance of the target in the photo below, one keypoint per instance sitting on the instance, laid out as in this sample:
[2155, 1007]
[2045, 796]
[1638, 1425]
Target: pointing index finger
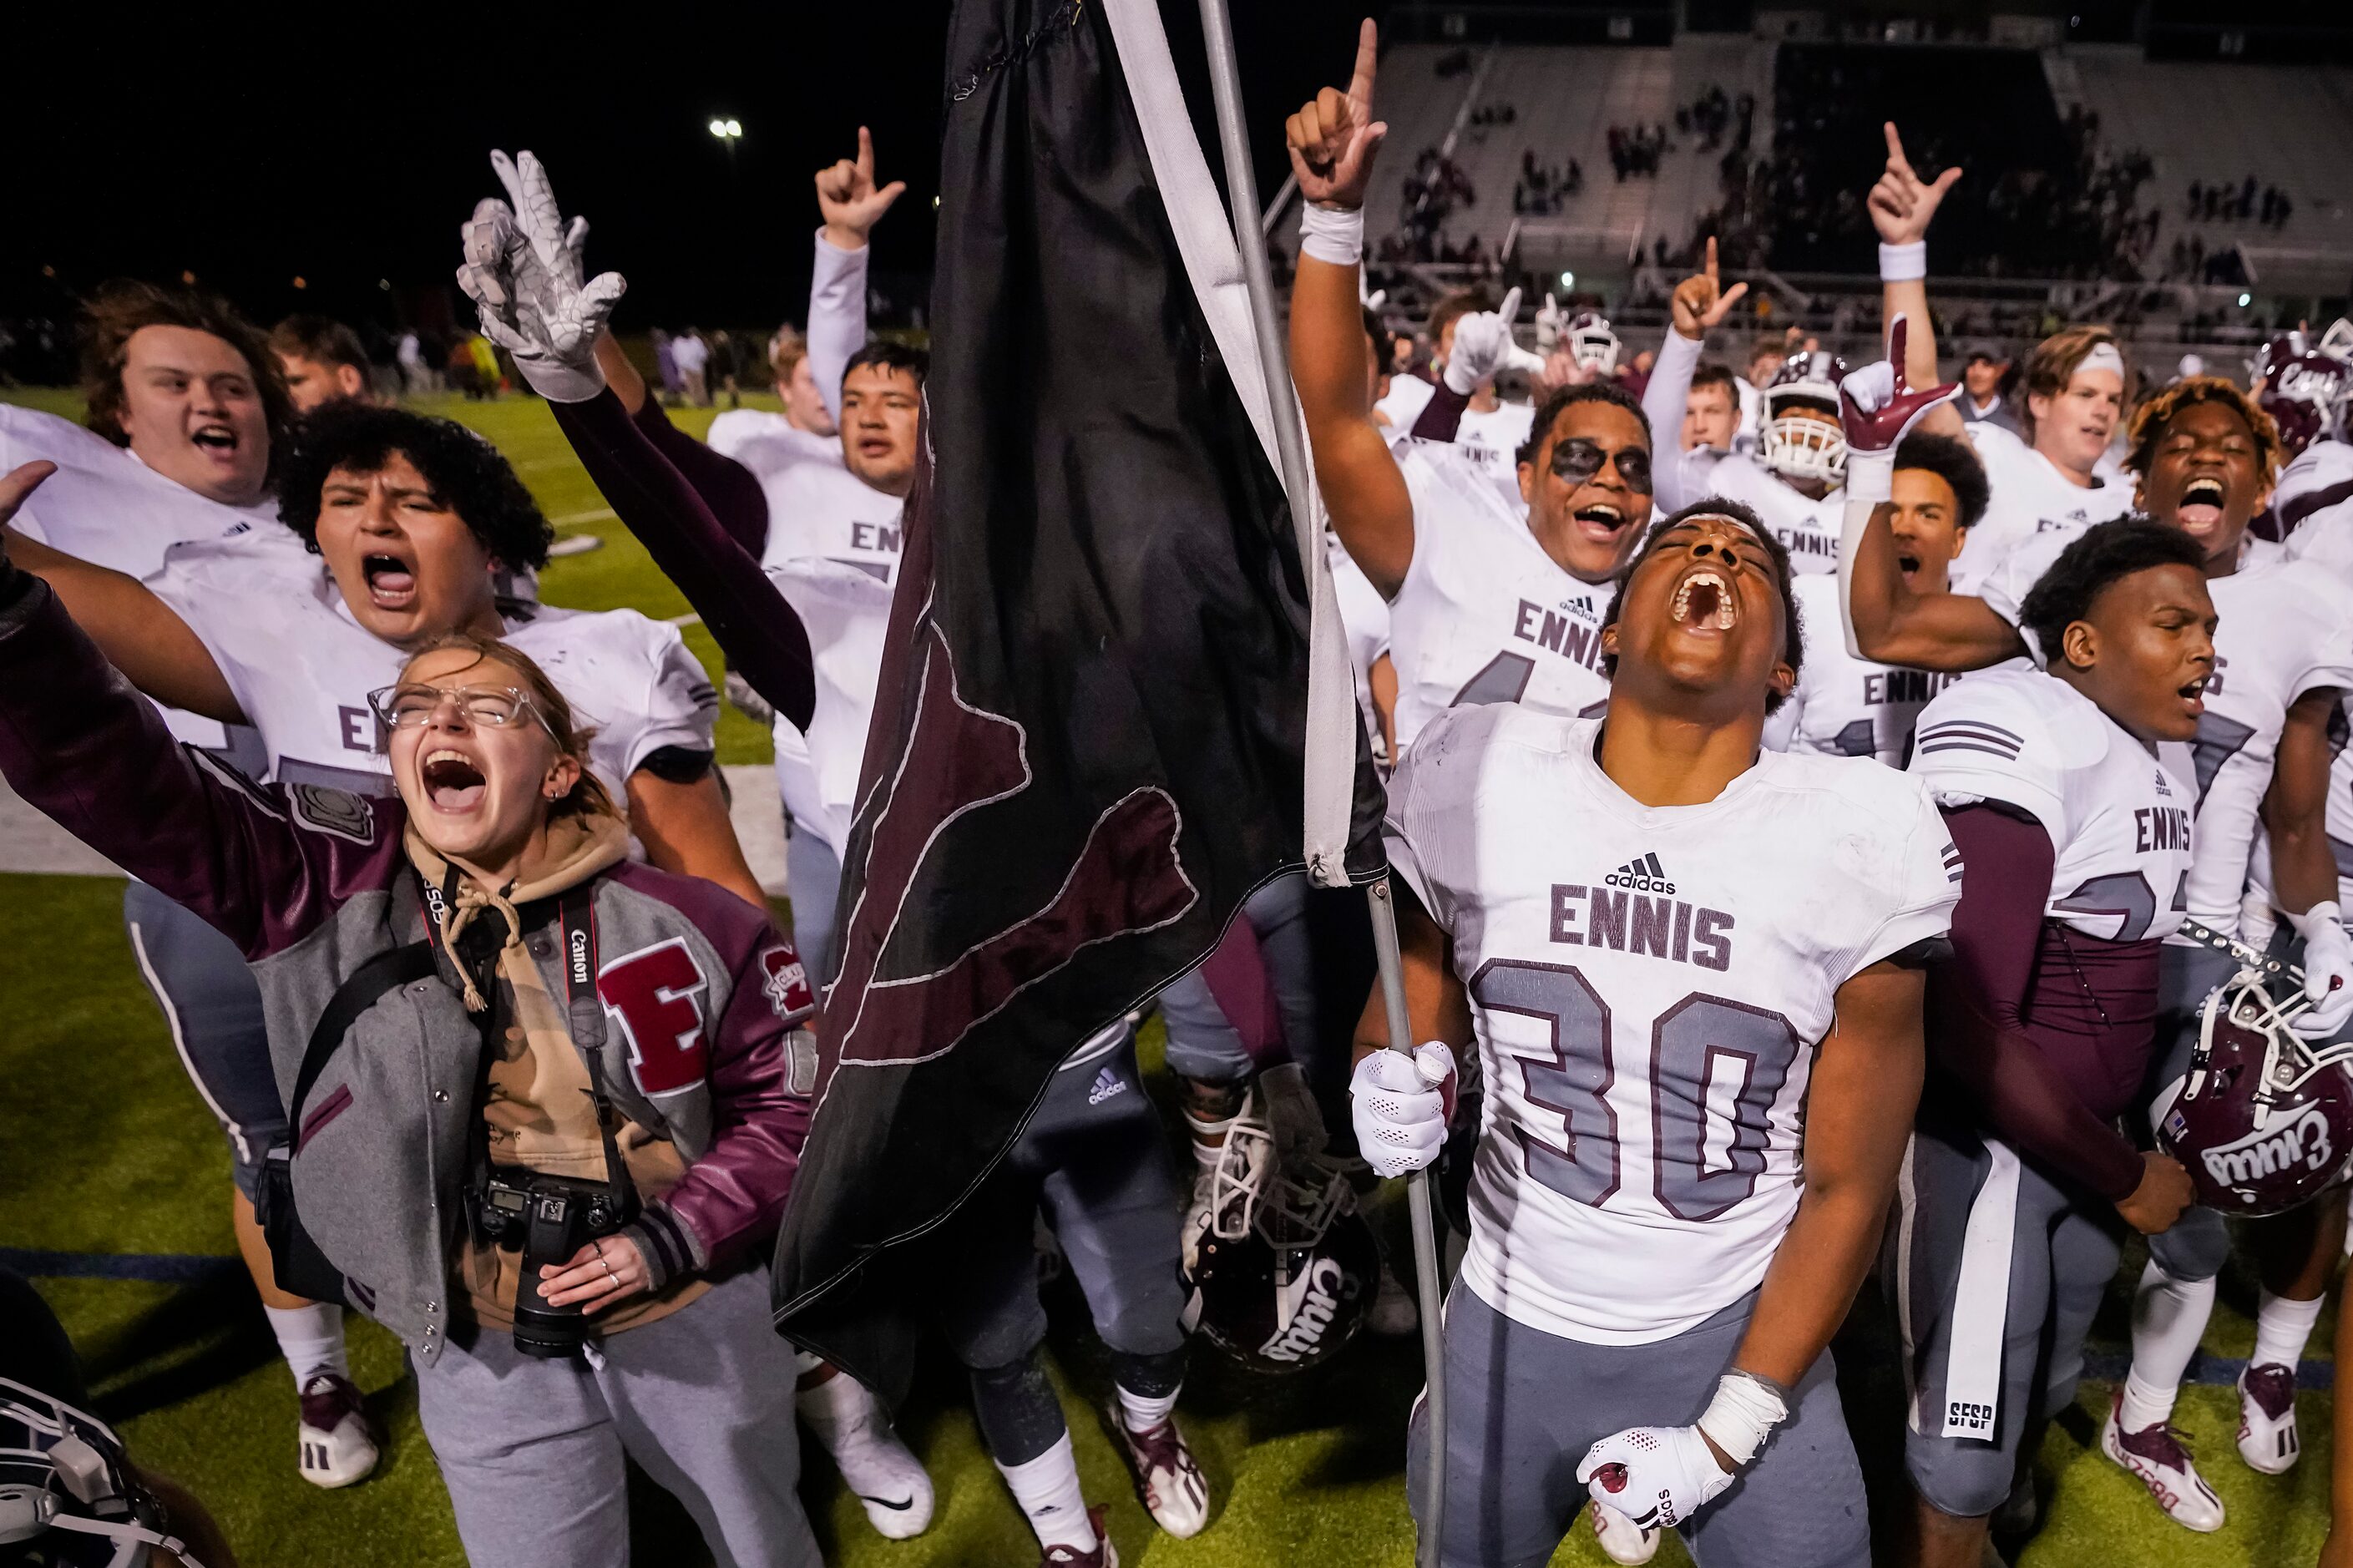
[1711, 259]
[1360, 83]
[1896, 158]
[865, 155]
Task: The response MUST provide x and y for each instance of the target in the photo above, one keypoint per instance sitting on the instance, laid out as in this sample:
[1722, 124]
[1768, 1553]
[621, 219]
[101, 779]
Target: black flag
[1088, 748]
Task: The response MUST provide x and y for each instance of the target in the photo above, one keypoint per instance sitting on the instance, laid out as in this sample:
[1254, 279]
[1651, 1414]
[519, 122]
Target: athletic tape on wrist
[2318, 915]
[1903, 263]
[1332, 234]
[1870, 476]
[1743, 1413]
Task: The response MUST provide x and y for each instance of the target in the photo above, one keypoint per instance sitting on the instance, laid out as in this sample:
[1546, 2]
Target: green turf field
[108, 1149]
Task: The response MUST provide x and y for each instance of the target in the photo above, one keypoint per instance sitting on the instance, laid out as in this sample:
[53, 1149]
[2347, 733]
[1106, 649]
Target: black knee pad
[1155, 1375]
[1020, 1415]
[2195, 1249]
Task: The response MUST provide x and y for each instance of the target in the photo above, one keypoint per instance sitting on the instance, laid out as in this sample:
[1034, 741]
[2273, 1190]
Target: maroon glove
[1876, 409]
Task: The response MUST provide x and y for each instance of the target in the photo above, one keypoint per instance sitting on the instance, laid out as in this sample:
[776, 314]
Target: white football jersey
[1844, 706]
[1648, 985]
[767, 443]
[301, 667]
[2279, 633]
[1484, 615]
[2028, 496]
[830, 514]
[1493, 440]
[2119, 820]
[105, 506]
[1808, 529]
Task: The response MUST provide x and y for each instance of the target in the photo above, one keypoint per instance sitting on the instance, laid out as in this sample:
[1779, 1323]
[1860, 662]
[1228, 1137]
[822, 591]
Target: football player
[1488, 603]
[2308, 389]
[1850, 707]
[1661, 941]
[188, 416]
[2204, 457]
[2076, 840]
[2055, 480]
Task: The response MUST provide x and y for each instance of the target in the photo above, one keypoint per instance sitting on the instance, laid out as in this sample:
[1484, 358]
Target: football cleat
[2159, 1458]
[875, 1463]
[1395, 1313]
[1104, 1555]
[2267, 1418]
[1167, 1478]
[1622, 1541]
[337, 1441]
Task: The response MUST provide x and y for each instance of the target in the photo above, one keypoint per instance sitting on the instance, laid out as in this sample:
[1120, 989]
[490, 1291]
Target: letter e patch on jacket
[656, 996]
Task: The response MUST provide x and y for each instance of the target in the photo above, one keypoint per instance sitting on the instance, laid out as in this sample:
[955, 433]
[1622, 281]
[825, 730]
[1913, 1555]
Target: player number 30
[1698, 1040]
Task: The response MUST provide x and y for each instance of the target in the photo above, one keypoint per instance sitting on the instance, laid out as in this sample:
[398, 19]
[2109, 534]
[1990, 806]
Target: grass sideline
[111, 1152]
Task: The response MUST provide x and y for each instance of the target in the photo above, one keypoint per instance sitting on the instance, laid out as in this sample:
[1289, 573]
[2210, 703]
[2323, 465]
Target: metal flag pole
[1241, 196]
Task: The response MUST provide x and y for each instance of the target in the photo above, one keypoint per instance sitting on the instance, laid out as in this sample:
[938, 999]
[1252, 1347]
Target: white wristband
[1903, 263]
[1332, 234]
[2318, 915]
[1743, 1413]
[1870, 477]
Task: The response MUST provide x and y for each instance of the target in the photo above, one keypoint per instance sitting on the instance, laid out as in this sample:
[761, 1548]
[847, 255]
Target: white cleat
[1622, 1541]
[336, 1442]
[2267, 1439]
[875, 1463]
[2158, 1456]
[1167, 1478]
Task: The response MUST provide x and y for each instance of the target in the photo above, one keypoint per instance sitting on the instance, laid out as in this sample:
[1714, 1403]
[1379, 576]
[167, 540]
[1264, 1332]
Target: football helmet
[1592, 345]
[1283, 1273]
[2306, 389]
[1797, 446]
[69, 1495]
[2263, 1121]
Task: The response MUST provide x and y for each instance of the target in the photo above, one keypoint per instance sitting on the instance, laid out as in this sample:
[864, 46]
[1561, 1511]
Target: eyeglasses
[1577, 460]
[412, 705]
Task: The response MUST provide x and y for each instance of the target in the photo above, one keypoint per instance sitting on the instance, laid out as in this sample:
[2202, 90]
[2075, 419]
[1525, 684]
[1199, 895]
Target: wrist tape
[1903, 263]
[1870, 476]
[1743, 1413]
[1332, 234]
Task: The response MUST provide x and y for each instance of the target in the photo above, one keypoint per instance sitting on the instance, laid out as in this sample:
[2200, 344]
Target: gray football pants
[2062, 1253]
[813, 881]
[213, 1006]
[702, 1400]
[1524, 1406]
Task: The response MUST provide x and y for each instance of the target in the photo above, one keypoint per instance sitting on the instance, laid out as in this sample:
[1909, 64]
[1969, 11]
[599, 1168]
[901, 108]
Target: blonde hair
[2054, 364]
[785, 349]
[587, 796]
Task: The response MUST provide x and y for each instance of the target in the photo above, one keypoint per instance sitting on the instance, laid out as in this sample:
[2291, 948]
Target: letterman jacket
[696, 1015]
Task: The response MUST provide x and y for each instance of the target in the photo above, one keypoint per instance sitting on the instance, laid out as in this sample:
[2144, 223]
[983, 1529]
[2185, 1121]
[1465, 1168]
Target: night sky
[249, 148]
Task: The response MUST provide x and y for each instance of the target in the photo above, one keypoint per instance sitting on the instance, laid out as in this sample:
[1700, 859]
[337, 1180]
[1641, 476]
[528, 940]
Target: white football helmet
[67, 1489]
[1794, 446]
[1592, 345]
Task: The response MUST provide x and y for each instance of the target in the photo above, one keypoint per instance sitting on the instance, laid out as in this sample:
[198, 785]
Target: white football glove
[1483, 345]
[523, 272]
[1400, 1107]
[1656, 1476]
[1291, 1115]
[2327, 971]
[1551, 322]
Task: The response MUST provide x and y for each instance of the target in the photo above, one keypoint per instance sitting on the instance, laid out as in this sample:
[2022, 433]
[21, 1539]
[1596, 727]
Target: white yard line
[573, 518]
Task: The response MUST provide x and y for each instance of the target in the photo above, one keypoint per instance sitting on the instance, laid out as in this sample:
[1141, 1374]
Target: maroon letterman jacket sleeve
[761, 1068]
[266, 866]
[730, 489]
[760, 633]
[1982, 1040]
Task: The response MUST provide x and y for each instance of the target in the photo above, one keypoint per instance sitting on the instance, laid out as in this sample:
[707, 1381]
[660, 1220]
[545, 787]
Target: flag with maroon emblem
[1090, 741]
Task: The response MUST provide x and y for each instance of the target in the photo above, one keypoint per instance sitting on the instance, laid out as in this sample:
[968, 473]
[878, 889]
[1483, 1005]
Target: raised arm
[79, 744]
[1884, 619]
[1901, 206]
[1332, 142]
[139, 634]
[2304, 862]
[550, 321]
[1697, 305]
[851, 205]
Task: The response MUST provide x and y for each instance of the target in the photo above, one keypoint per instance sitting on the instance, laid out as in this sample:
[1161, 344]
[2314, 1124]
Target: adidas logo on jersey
[2164, 790]
[1107, 1084]
[1643, 874]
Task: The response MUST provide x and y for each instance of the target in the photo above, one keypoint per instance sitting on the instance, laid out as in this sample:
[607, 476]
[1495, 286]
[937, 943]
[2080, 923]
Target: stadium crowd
[1856, 835]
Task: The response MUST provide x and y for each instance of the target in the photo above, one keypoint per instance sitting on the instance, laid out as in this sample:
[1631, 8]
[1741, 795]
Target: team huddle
[1849, 834]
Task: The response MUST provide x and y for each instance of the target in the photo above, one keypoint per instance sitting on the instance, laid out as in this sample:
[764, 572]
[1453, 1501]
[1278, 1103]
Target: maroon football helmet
[2264, 1121]
[2306, 389]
